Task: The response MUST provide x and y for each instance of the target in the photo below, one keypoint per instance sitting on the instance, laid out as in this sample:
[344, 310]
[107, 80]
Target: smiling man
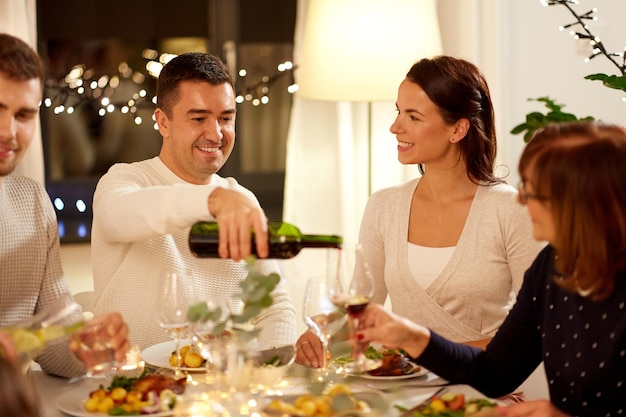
[143, 211]
[31, 276]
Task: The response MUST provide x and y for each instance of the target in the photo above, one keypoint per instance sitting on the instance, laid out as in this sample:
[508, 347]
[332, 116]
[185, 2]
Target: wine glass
[60, 318]
[353, 287]
[321, 314]
[176, 294]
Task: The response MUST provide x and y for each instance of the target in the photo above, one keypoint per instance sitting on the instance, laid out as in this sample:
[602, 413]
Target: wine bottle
[285, 240]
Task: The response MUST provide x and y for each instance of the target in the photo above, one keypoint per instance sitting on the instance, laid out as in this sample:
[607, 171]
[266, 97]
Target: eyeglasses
[525, 196]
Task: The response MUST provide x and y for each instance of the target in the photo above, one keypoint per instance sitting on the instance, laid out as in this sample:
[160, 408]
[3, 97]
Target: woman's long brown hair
[581, 169]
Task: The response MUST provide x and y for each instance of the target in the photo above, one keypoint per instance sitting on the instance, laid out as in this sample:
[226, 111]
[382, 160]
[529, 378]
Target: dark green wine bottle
[285, 240]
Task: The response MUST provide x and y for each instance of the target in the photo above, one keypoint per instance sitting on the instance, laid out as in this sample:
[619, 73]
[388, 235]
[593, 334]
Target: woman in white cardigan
[449, 248]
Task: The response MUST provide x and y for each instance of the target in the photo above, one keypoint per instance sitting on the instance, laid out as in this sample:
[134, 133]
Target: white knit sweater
[142, 216]
[472, 295]
[30, 267]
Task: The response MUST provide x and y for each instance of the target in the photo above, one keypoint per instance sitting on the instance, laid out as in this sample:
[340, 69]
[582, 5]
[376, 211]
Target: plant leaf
[617, 82]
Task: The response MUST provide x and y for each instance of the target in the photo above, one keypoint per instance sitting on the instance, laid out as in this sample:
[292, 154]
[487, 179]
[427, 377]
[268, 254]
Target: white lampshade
[360, 50]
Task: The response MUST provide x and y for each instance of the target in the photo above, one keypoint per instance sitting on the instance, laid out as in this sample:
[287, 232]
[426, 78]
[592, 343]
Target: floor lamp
[360, 50]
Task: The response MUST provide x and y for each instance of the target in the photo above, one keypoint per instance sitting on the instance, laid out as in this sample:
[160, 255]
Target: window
[99, 89]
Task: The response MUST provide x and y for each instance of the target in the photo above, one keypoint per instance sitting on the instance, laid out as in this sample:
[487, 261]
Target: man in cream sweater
[143, 211]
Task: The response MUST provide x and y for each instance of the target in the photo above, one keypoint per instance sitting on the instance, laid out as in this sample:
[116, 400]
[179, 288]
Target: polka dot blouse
[581, 342]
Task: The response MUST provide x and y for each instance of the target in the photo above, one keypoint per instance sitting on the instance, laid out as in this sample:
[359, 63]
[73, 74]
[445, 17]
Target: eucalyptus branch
[255, 295]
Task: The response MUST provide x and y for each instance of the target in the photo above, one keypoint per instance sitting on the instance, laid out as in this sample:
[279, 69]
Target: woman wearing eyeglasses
[571, 310]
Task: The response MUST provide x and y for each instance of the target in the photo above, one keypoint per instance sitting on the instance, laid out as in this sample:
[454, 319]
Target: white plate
[71, 403]
[423, 371]
[158, 356]
[375, 400]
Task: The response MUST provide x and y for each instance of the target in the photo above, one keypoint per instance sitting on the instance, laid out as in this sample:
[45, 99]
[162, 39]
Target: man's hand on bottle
[236, 216]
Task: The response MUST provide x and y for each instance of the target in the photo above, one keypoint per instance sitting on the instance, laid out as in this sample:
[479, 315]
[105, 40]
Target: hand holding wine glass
[354, 286]
[176, 294]
[321, 314]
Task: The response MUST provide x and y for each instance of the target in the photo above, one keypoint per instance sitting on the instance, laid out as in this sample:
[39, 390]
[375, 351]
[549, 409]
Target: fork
[396, 388]
[409, 412]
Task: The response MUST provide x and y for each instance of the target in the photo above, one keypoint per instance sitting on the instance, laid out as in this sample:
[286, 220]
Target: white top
[473, 293]
[426, 263]
[142, 214]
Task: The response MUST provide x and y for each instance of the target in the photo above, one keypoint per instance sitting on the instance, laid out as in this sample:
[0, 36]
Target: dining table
[395, 392]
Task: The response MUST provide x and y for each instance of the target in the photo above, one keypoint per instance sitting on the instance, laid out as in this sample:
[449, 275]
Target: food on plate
[337, 398]
[147, 394]
[394, 362]
[190, 357]
[456, 405]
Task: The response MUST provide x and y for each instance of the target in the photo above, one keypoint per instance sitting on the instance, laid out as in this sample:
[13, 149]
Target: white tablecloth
[406, 392]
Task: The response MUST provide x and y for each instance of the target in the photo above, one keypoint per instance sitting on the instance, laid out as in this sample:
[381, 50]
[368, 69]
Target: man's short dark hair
[192, 66]
[18, 61]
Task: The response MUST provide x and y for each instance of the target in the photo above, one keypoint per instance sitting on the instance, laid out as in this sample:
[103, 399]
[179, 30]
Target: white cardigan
[472, 295]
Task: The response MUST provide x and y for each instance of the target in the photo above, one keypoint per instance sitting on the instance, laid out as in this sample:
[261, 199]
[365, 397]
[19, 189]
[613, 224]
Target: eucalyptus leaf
[255, 295]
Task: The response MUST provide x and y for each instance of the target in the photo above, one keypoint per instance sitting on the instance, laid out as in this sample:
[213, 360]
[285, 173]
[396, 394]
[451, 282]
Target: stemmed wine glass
[176, 295]
[321, 314]
[353, 288]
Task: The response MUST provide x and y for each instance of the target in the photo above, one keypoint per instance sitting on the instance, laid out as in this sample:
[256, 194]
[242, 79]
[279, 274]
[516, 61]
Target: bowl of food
[272, 364]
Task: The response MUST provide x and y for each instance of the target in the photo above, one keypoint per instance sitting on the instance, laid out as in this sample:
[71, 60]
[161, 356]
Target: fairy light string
[580, 30]
[80, 87]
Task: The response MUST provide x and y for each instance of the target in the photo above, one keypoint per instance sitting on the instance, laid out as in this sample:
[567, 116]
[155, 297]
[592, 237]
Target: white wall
[543, 61]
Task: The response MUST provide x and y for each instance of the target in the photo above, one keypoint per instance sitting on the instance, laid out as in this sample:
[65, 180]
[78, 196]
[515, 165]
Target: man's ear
[163, 122]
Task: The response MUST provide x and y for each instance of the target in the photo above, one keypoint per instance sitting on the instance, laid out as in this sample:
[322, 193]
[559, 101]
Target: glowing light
[70, 110]
[75, 72]
[103, 81]
[138, 120]
[102, 112]
[82, 230]
[105, 101]
[165, 58]
[110, 108]
[256, 102]
[81, 206]
[149, 54]
[239, 99]
[154, 68]
[47, 102]
[138, 77]
[124, 109]
[243, 72]
[93, 85]
[265, 99]
[293, 88]
[59, 204]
